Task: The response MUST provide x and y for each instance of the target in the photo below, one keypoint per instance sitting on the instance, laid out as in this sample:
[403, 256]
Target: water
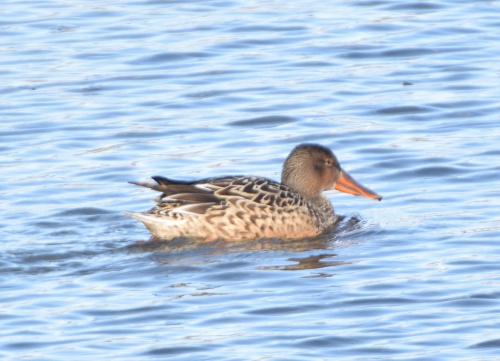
[101, 92]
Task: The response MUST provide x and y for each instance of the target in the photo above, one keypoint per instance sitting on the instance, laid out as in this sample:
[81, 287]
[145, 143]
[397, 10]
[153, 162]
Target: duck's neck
[322, 212]
[321, 202]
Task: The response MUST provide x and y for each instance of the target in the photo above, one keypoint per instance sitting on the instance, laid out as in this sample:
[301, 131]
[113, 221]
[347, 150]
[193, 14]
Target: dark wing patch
[191, 198]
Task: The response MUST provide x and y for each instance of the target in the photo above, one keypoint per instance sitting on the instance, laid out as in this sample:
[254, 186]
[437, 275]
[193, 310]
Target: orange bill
[347, 184]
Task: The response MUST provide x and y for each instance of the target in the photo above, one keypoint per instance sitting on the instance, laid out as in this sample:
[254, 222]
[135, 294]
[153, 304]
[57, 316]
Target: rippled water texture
[97, 93]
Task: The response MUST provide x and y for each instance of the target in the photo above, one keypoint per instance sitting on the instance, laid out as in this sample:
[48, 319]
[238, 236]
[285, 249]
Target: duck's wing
[182, 196]
[197, 197]
[187, 197]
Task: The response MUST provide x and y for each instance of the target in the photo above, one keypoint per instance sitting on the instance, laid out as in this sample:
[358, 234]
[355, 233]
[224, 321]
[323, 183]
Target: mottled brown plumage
[244, 208]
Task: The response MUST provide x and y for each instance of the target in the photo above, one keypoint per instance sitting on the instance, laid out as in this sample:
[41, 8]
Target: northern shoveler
[244, 208]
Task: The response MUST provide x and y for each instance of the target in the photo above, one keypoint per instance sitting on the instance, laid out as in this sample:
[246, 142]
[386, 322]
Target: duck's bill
[347, 184]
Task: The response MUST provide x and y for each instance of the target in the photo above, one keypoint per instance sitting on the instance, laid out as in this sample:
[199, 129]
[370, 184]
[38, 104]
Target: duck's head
[312, 168]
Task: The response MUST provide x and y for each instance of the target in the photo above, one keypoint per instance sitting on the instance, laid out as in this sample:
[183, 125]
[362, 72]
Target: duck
[240, 208]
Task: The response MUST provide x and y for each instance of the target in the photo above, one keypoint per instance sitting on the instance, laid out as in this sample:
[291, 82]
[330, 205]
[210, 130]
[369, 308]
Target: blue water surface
[97, 93]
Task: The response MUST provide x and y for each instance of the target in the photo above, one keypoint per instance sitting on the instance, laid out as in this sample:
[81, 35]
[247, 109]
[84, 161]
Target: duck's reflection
[309, 262]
